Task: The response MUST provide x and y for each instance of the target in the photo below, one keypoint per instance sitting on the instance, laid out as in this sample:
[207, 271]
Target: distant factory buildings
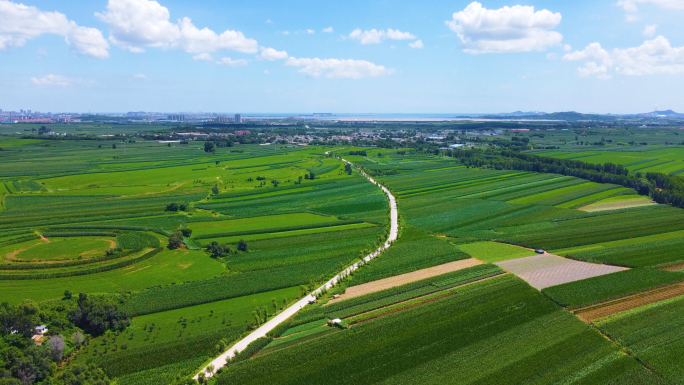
[178, 118]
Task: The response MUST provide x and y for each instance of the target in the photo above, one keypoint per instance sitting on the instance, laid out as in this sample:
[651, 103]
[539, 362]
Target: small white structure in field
[42, 329]
[336, 321]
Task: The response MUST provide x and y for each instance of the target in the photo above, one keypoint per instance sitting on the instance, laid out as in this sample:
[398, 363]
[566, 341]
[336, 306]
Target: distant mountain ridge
[578, 116]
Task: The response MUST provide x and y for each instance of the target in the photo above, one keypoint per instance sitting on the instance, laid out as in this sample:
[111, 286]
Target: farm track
[403, 279]
[222, 359]
[591, 313]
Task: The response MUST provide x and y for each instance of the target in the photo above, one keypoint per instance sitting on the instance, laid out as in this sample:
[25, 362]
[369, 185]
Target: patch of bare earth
[546, 270]
[604, 309]
[674, 267]
[616, 205]
[403, 279]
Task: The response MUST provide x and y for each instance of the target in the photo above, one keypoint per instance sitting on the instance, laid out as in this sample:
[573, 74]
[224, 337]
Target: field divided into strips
[526, 338]
[492, 252]
[667, 161]
[652, 250]
[606, 287]
[565, 194]
[653, 333]
[591, 198]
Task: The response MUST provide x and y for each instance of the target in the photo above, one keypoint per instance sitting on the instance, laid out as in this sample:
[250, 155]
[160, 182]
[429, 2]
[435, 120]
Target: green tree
[175, 240]
[209, 147]
[215, 190]
[242, 245]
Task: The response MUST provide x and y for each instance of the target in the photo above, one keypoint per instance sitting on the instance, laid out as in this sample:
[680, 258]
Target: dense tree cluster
[95, 315]
[218, 250]
[23, 362]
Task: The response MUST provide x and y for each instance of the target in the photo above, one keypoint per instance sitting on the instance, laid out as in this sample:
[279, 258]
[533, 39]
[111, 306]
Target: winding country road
[221, 360]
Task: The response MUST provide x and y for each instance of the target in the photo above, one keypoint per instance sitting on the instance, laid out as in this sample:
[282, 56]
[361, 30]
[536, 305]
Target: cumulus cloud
[650, 30]
[140, 76]
[20, 23]
[310, 31]
[653, 57]
[338, 68]
[231, 62]
[203, 56]
[271, 54]
[327, 30]
[508, 29]
[418, 44]
[138, 24]
[376, 37]
[51, 80]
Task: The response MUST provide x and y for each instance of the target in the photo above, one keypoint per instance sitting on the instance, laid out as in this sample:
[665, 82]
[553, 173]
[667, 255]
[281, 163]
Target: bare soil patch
[604, 309]
[546, 270]
[675, 267]
[616, 205]
[403, 279]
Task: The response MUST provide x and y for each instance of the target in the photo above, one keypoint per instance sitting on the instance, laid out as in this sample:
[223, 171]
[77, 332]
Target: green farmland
[195, 250]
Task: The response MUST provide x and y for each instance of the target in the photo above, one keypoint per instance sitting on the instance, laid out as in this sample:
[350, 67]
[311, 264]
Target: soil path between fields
[221, 360]
[633, 301]
[403, 279]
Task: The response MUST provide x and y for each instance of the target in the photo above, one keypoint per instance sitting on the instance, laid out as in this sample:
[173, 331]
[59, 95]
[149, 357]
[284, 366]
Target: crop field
[491, 252]
[606, 287]
[654, 334]
[56, 249]
[525, 337]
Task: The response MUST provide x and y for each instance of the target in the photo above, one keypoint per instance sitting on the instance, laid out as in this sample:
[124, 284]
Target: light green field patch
[618, 202]
[258, 223]
[444, 168]
[283, 234]
[18, 142]
[548, 194]
[592, 197]
[62, 249]
[264, 195]
[199, 319]
[491, 252]
[165, 268]
[623, 242]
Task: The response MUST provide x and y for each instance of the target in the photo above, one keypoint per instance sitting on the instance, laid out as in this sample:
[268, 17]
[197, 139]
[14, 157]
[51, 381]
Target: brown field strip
[403, 279]
[604, 309]
[676, 267]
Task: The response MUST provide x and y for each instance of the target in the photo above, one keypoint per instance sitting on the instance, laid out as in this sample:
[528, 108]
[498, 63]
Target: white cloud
[286, 32]
[631, 5]
[51, 80]
[271, 54]
[593, 69]
[418, 44]
[551, 56]
[233, 63]
[375, 37]
[567, 48]
[266, 72]
[269, 21]
[653, 57]
[508, 29]
[338, 68]
[650, 30]
[138, 24]
[327, 30]
[20, 23]
[203, 56]
[140, 76]
[310, 31]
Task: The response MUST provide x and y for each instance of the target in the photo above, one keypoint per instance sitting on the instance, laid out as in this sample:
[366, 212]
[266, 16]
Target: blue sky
[494, 56]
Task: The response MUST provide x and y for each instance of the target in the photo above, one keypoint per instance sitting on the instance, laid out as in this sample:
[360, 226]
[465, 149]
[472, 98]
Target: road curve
[221, 360]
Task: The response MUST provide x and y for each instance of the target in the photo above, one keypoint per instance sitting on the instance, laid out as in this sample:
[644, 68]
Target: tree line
[662, 188]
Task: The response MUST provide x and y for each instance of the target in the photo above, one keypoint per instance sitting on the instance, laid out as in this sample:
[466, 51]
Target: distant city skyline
[460, 57]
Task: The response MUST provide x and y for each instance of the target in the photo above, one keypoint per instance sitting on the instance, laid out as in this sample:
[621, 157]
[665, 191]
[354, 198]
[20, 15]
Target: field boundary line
[222, 360]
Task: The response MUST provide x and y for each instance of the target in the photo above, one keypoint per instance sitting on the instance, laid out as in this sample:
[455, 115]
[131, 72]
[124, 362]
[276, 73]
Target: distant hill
[661, 114]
